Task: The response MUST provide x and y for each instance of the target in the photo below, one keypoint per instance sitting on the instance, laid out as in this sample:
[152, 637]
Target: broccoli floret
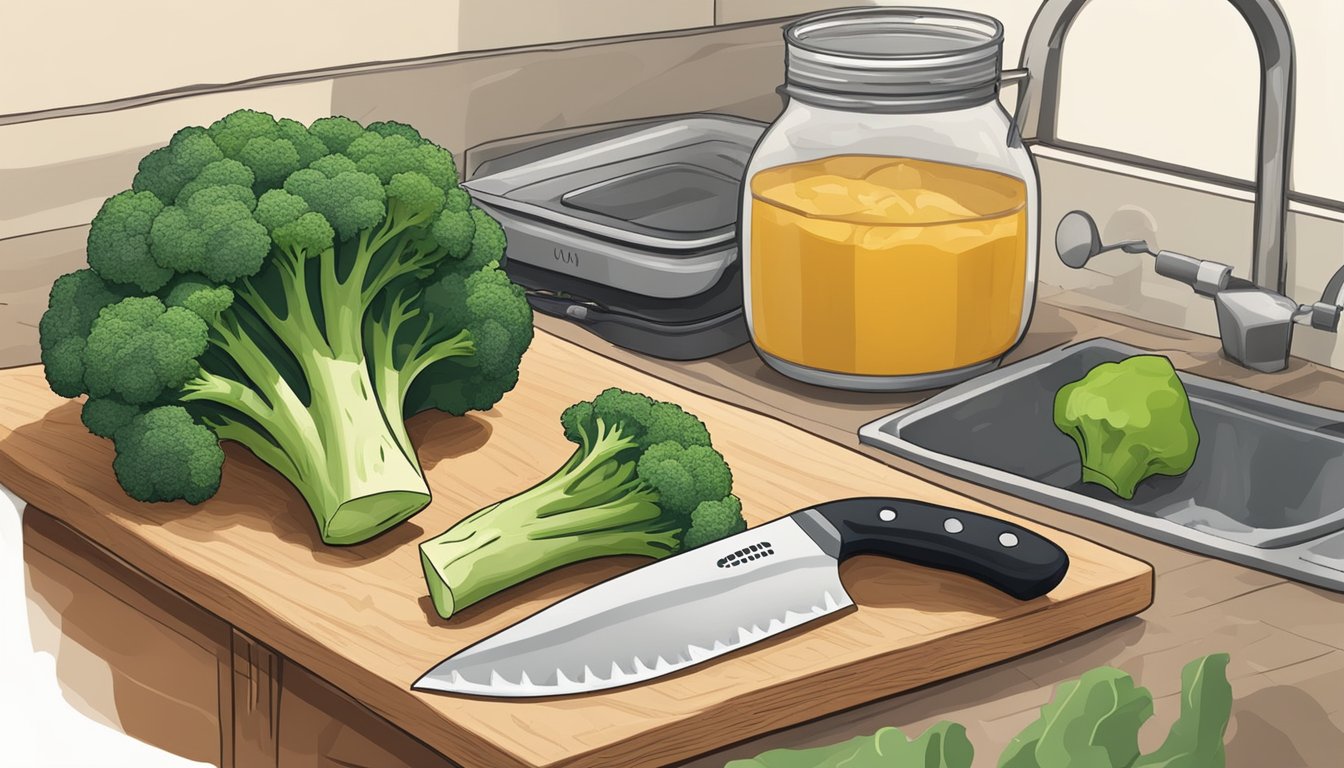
[494, 313]
[163, 454]
[296, 290]
[221, 173]
[335, 133]
[206, 299]
[119, 241]
[351, 201]
[1130, 420]
[164, 172]
[714, 520]
[644, 480]
[138, 348]
[215, 234]
[73, 305]
[105, 416]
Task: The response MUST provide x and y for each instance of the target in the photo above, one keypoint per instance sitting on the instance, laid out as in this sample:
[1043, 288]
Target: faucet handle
[1077, 240]
[1324, 316]
[1206, 277]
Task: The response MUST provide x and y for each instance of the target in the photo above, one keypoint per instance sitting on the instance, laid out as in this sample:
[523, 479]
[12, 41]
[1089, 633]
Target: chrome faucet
[1038, 106]
[1254, 323]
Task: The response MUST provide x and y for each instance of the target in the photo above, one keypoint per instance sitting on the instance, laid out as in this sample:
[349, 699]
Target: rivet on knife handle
[1006, 556]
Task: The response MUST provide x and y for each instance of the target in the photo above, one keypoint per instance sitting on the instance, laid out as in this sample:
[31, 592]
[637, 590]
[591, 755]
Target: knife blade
[721, 597]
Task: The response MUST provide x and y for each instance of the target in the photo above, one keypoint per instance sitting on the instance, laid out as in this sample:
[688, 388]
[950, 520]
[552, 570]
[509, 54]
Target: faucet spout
[1038, 109]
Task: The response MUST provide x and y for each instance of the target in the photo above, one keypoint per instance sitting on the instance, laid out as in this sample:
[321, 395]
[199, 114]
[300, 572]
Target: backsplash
[1186, 217]
[461, 101]
[47, 196]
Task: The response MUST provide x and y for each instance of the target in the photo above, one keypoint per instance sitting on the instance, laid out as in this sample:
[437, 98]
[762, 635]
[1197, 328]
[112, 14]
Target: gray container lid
[672, 186]
[894, 59]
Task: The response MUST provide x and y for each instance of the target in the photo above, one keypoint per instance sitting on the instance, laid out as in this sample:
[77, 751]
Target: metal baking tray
[650, 208]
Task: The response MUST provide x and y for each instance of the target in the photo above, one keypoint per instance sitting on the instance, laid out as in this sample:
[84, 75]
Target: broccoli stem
[593, 506]
[365, 482]
[506, 544]
[339, 451]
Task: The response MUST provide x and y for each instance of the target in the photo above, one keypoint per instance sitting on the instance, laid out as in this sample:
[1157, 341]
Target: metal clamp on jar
[889, 219]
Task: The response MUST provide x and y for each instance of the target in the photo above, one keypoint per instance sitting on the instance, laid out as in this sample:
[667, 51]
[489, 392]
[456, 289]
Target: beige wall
[1179, 81]
[88, 51]
[1174, 81]
[55, 173]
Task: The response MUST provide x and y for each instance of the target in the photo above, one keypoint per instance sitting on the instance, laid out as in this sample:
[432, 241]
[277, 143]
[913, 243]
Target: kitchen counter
[1286, 639]
[228, 633]
[1287, 664]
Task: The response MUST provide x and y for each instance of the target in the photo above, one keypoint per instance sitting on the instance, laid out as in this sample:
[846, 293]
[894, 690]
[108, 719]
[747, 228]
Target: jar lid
[894, 59]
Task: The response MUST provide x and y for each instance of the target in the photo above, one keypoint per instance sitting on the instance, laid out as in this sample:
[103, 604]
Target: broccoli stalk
[644, 481]
[298, 290]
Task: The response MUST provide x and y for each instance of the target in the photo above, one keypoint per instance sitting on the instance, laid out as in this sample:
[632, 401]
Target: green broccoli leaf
[1130, 420]
[943, 746]
[1092, 722]
[1196, 739]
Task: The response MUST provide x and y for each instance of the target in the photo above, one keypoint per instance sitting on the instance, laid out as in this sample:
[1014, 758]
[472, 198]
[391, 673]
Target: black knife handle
[1005, 556]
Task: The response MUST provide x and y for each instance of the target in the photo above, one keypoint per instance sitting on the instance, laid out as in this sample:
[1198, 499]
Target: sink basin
[1266, 489]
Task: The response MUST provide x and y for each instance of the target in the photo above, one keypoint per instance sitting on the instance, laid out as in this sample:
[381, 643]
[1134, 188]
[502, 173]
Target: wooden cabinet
[320, 727]
[135, 655]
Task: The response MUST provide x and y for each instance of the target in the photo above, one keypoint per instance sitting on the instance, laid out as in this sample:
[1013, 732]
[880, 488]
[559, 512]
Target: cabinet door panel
[320, 727]
[129, 653]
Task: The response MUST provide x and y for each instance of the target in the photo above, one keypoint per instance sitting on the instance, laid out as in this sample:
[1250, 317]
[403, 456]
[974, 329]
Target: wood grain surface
[359, 618]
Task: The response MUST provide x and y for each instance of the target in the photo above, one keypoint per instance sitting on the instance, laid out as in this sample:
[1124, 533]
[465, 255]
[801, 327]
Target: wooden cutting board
[359, 616]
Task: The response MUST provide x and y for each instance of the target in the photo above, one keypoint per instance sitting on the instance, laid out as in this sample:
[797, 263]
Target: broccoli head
[644, 480]
[1131, 420]
[299, 290]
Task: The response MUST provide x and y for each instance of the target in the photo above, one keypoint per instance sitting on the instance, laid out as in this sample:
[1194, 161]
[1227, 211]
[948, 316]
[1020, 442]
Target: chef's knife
[720, 597]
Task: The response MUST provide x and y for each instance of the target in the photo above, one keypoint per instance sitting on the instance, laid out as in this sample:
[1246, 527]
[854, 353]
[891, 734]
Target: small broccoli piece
[644, 481]
[1130, 420]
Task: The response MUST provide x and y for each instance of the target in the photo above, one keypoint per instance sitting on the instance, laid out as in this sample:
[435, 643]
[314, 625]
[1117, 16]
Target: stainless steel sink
[1266, 489]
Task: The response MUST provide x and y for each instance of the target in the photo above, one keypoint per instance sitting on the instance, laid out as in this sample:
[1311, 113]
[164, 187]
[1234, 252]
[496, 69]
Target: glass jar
[889, 215]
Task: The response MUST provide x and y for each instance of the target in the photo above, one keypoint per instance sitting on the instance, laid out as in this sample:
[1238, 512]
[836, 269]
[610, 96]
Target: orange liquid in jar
[886, 266]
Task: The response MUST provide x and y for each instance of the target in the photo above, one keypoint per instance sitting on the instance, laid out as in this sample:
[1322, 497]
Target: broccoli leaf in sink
[1131, 420]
